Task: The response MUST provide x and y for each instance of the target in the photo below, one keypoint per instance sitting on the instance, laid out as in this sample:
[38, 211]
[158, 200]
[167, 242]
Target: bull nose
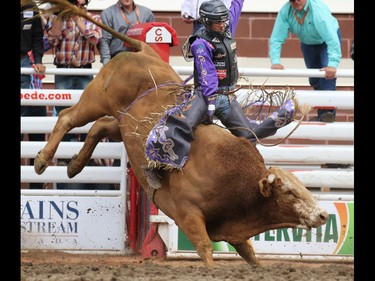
[323, 216]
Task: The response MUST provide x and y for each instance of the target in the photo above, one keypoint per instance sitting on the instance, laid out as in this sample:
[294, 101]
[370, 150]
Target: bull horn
[271, 178]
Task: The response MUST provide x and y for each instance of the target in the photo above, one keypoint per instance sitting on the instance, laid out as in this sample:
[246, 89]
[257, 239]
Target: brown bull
[223, 193]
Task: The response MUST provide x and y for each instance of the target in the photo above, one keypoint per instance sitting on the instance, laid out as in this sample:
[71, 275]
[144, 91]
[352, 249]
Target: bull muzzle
[317, 218]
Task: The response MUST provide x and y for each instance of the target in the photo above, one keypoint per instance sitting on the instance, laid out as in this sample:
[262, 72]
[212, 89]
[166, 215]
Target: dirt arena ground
[59, 266]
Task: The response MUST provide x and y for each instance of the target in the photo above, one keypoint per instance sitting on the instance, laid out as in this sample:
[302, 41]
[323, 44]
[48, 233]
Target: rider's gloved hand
[209, 117]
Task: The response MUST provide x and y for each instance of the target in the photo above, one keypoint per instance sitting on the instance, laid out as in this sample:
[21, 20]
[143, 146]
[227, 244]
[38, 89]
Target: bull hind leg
[246, 251]
[69, 118]
[102, 128]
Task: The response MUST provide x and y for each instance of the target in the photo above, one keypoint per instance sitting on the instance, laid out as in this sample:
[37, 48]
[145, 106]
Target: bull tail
[66, 9]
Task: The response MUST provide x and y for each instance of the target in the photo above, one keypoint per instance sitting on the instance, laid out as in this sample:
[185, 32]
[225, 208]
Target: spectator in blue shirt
[320, 36]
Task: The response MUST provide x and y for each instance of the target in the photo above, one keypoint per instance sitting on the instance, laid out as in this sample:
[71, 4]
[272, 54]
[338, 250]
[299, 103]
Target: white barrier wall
[71, 220]
[74, 220]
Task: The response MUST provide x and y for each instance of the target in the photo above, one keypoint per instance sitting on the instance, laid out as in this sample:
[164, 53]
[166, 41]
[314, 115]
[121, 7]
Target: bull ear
[265, 187]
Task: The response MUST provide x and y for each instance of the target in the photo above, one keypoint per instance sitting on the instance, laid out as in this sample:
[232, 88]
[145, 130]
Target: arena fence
[95, 220]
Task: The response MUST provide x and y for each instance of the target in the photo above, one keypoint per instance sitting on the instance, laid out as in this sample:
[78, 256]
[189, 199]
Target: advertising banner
[336, 237]
[73, 223]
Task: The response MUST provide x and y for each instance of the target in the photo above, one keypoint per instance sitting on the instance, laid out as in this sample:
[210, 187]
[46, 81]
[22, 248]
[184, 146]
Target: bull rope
[183, 85]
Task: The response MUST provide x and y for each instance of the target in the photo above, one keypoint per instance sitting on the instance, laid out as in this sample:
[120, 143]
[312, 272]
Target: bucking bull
[224, 191]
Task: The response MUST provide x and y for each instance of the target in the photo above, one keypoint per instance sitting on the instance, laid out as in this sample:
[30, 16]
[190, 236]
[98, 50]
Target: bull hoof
[255, 263]
[39, 165]
[72, 168]
[214, 266]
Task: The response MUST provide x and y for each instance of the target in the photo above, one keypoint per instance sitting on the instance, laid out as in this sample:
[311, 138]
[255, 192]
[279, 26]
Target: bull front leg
[194, 228]
[102, 128]
[246, 251]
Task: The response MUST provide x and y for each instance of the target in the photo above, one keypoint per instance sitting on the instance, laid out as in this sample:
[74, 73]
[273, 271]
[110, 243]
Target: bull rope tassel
[304, 109]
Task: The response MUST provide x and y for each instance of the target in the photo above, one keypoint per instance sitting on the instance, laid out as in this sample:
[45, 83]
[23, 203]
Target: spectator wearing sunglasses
[320, 36]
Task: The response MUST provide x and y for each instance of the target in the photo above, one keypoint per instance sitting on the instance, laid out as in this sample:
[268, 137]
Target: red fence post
[153, 245]
[133, 223]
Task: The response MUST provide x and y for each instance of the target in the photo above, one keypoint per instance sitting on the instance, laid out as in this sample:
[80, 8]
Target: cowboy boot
[278, 119]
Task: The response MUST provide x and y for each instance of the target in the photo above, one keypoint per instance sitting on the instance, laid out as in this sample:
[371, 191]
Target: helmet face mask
[217, 28]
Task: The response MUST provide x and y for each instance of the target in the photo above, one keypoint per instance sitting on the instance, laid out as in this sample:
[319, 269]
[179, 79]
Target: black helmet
[213, 11]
